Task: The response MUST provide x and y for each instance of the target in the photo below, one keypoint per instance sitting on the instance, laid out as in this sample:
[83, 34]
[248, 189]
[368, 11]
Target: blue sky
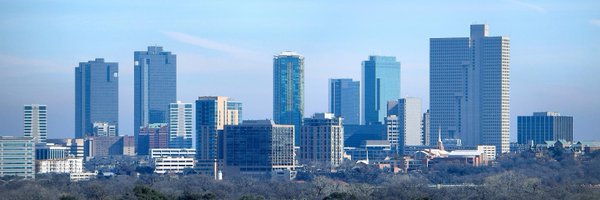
[226, 48]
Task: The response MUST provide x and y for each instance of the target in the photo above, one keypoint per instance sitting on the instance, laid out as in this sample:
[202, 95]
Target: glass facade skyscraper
[180, 125]
[259, 147]
[288, 89]
[344, 100]
[96, 95]
[469, 88]
[155, 86]
[380, 84]
[212, 114]
[35, 122]
[544, 126]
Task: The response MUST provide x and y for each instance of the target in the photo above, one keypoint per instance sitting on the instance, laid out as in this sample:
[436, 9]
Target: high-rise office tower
[344, 100]
[259, 147]
[322, 140]
[212, 114]
[380, 84]
[96, 95]
[469, 88]
[17, 156]
[426, 128]
[408, 111]
[35, 122]
[155, 86]
[544, 126]
[180, 125]
[288, 89]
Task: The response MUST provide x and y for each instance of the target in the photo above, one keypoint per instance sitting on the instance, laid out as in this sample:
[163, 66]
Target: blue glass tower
[96, 95]
[288, 90]
[155, 86]
[544, 126]
[344, 100]
[380, 83]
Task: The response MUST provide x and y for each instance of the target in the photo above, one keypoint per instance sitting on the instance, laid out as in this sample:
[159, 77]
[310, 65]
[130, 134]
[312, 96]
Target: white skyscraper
[35, 124]
[407, 113]
[180, 125]
[469, 88]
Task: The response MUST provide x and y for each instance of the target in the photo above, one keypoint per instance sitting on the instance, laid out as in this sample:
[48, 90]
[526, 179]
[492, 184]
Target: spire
[440, 144]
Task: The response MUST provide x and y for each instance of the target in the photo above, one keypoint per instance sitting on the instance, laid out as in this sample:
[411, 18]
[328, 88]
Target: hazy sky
[226, 48]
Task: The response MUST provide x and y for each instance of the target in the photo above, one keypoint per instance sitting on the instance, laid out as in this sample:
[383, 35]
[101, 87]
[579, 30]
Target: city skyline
[205, 57]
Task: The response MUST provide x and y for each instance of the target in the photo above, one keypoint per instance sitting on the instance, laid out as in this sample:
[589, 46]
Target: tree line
[527, 175]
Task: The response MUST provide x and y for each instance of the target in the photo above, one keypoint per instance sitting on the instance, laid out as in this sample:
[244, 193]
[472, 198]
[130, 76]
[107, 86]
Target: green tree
[340, 196]
[143, 192]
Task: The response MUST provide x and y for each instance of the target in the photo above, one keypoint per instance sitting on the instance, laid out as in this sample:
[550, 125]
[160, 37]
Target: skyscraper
[180, 125]
[409, 115]
[394, 137]
[544, 126]
[322, 140]
[380, 83]
[96, 95]
[469, 88]
[212, 114]
[344, 100]
[407, 112]
[35, 122]
[155, 86]
[426, 128]
[259, 147]
[288, 89]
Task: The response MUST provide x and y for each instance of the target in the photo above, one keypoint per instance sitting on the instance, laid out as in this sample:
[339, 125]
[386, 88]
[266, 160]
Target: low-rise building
[129, 145]
[168, 152]
[370, 151]
[488, 150]
[75, 146]
[66, 165]
[82, 176]
[587, 146]
[175, 165]
[439, 155]
[17, 156]
[46, 151]
[170, 160]
[104, 146]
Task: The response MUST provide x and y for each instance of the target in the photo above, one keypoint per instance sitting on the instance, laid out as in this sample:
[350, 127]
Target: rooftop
[15, 138]
[288, 54]
[554, 114]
